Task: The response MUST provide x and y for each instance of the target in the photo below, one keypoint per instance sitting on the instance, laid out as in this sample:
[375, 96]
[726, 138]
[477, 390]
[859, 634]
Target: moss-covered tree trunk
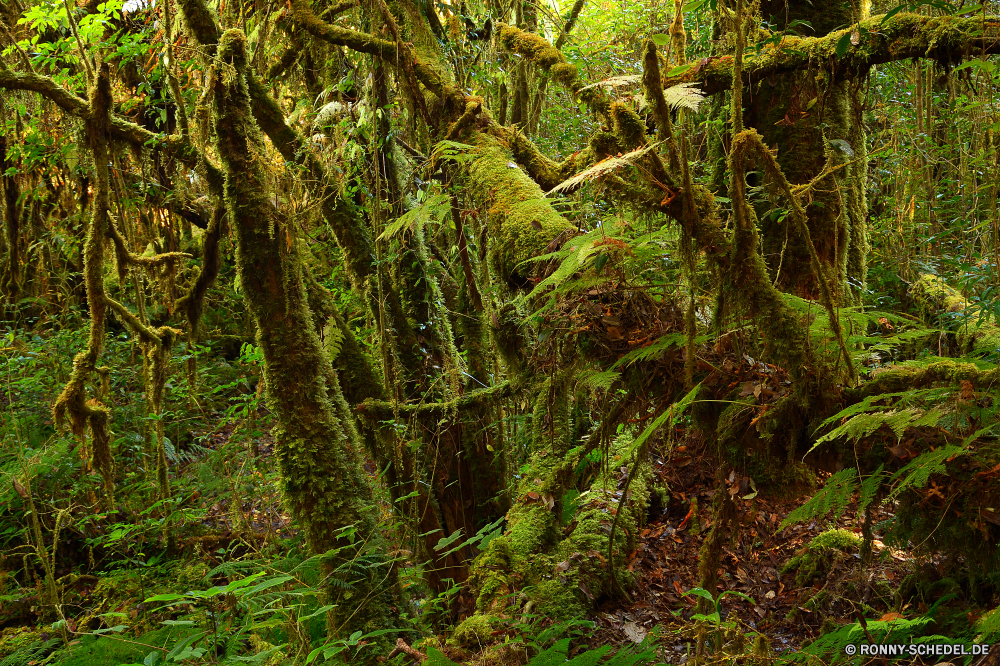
[321, 469]
[10, 282]
[810, 116]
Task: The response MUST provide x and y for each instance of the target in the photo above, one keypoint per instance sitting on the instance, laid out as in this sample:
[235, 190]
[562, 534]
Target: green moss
[628, 126]
[561, 572]
[522, 221]
[13, 639]
[819, 556]
[975, 335]
[473, 631]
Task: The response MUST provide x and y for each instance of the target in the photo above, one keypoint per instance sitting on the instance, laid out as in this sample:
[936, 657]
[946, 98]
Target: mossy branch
[124, 258]
[382, 48]
[322, 476]
[381, 409]
[904, 36]
[550, 59]
[905, 378]
[72, 404]
[174, 145]
[747, 147]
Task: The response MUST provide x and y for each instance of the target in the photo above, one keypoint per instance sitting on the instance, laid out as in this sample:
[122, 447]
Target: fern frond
[598, 381]
[988, 627]
[615, 82]
[919, 470]
[602, 168]
[434, 208]
[829, 648]
[30, 654]
[684, 95]
[832, 498]
[655, 350]
[869, 488]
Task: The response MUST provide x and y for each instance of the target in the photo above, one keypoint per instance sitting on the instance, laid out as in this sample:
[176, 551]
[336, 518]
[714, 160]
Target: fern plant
[830, 648]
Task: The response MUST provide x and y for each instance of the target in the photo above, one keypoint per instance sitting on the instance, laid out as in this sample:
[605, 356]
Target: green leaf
[680, 70]
[447, 541]
[318, 611]
[736, 594]
[843, 45]
[699, 592]
[673, 413]
[183, 644]
[436, 658]
[166, 597]
[660, 40]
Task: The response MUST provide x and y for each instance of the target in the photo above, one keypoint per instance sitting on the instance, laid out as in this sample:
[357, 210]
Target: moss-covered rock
[473, 631]
[815, 559]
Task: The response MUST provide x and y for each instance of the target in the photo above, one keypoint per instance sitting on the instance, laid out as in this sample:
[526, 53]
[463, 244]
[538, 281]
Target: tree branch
[944, 38]
[122, 130]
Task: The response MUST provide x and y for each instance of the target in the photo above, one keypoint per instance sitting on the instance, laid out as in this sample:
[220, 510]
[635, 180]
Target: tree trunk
[801, 114]
[322, 474]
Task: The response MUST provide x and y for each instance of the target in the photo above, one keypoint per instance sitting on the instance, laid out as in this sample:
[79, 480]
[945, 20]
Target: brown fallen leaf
[635, 632]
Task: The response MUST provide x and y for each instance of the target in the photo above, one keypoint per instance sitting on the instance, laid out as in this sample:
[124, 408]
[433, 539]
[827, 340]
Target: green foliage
[557, 656]
[829, 648]
[817, 557]
[832, 498]
[34, 652]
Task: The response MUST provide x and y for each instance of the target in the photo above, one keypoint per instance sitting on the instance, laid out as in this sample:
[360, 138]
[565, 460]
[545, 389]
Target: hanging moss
[72, 405]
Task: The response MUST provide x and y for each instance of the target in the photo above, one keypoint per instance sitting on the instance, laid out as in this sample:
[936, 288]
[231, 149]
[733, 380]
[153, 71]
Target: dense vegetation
[410, 331]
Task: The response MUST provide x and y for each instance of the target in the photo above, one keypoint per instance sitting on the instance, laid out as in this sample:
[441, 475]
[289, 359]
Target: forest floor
[788, 607]
[788, 612]
[665, 561]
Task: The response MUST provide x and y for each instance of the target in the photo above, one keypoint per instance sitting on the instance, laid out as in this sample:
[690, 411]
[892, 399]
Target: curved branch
[122, 130]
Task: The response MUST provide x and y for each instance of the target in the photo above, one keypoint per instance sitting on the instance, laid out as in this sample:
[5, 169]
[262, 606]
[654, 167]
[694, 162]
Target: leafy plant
[715, 619]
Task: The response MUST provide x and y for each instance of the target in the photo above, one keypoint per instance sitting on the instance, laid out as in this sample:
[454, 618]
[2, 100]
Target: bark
[321, 469]
[11, 277]
[802, 113]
